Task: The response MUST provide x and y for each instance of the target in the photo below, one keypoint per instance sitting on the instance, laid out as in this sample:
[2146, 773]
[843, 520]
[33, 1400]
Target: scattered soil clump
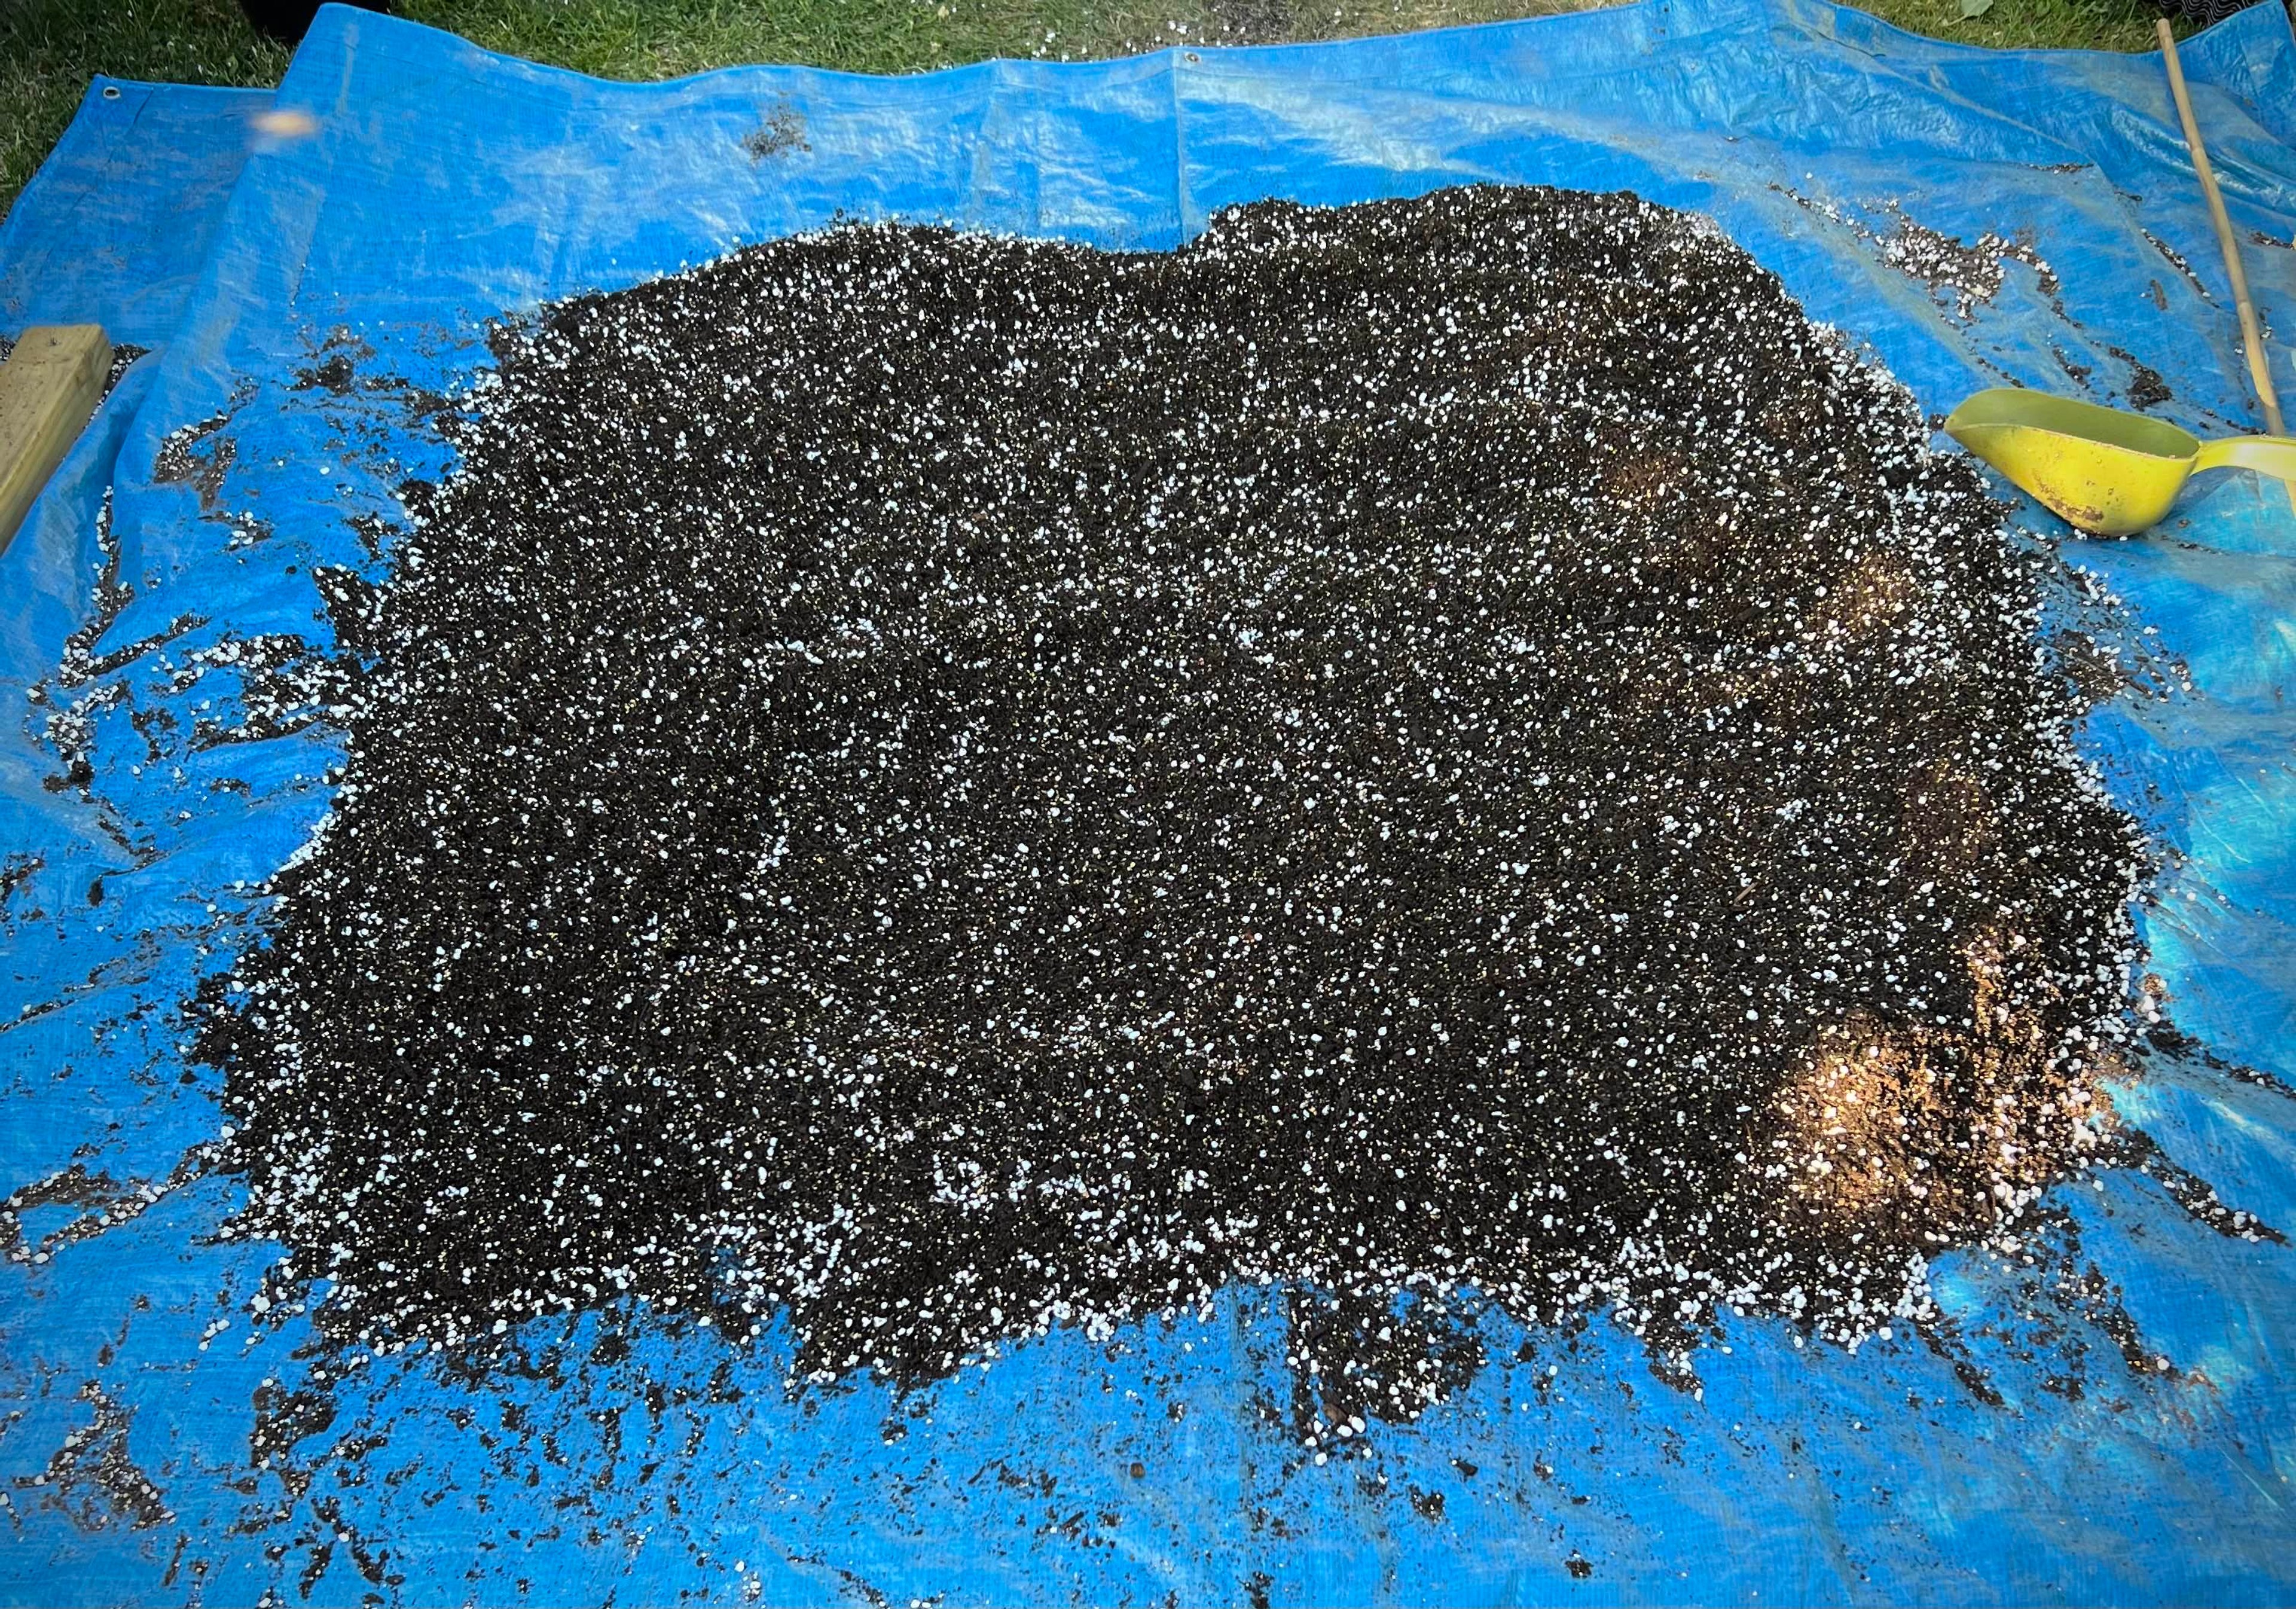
[2146, 388]
[1453, 749]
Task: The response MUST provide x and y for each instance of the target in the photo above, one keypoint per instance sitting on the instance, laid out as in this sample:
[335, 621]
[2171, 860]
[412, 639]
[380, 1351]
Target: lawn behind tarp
[159, 1440]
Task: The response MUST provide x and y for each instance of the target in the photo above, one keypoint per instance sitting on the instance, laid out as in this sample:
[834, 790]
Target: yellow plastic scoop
[2107, 471]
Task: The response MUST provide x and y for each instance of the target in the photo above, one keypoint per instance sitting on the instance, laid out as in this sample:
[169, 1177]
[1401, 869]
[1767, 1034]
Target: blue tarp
[115, 227]
[158, 1446]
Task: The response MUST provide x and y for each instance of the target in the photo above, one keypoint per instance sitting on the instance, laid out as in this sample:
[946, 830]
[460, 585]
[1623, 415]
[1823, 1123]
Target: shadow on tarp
[1971, 216]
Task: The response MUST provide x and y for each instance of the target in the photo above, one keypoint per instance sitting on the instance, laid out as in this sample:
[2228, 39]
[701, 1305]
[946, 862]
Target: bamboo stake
[2252, 335]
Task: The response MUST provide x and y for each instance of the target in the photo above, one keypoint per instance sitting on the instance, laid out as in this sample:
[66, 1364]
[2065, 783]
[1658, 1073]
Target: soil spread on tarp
[929, 787]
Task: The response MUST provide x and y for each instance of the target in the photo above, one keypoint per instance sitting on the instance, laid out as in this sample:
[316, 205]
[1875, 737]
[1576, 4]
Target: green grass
[49, 48]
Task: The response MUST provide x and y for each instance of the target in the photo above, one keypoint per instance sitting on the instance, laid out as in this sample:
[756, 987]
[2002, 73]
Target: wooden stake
[48, 387]
[2251, 335]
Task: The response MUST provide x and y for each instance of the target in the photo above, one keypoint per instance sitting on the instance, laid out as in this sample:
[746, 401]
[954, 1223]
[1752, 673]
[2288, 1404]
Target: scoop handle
[2274, 455]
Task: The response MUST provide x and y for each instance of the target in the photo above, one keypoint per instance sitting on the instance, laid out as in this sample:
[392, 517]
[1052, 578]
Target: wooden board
[48, 387]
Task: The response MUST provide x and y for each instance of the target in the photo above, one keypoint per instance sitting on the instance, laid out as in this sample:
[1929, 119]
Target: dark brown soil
[1453, 750]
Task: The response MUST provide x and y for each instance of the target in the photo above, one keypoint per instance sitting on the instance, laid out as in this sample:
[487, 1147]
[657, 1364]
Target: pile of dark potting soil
[942, 786]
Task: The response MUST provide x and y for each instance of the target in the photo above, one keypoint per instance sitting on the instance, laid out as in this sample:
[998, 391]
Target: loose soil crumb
[2146, 388]
[92, 1479]
[1968, 273]
[1454, 750]
[1961, 275]
[103, 1204]
[2177, 262]
[780, 131]
[195, 456]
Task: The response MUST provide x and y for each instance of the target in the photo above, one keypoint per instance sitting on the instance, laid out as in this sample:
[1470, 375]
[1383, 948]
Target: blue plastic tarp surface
[115, 227]
[157, 1445]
